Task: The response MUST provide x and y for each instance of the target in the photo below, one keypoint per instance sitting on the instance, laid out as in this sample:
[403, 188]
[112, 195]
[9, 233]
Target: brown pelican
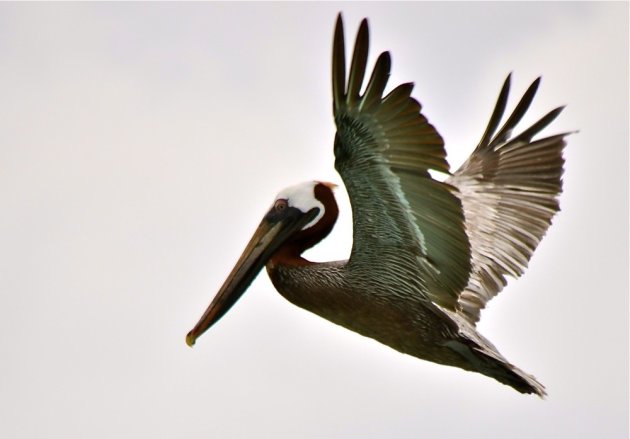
[427, 255]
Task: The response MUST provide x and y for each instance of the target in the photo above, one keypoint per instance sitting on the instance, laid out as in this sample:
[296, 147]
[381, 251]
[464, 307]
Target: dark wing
[384, 149]
[509, 188]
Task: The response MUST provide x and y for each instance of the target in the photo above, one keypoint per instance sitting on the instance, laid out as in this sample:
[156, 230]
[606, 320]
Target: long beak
[266, 240]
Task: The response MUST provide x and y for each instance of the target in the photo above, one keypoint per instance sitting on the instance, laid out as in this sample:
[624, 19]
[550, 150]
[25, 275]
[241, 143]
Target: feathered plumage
[427, 255]
[461, 236]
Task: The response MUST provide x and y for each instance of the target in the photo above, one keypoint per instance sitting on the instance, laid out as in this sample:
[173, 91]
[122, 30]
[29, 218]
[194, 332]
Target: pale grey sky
[140, 144]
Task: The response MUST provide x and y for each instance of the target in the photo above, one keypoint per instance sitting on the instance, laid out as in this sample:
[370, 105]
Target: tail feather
[481, 356]
[491, 364]
[512, 376]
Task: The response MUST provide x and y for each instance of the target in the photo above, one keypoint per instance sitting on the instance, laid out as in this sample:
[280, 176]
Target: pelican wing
[509, 189]
[384, 149]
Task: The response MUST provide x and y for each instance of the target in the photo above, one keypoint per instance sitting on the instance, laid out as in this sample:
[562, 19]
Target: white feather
[302, 197]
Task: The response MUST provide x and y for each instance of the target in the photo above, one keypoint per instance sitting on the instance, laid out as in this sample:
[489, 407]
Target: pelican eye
[280, 205]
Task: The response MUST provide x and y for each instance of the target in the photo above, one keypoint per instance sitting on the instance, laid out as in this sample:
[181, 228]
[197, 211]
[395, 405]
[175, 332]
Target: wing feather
[359, 62]
[509, 189]
[384, 149]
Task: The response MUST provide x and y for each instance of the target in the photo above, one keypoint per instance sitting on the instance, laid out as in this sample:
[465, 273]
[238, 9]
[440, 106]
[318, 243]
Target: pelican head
[300, 217]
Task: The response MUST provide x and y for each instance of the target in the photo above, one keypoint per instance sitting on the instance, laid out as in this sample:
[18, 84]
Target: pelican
[427, 255]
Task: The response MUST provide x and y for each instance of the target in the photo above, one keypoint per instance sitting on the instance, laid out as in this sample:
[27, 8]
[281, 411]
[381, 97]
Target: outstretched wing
[384, 149]
[509, 189]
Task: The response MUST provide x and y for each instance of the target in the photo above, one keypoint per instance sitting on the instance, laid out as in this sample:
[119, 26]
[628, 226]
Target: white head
[302, 197]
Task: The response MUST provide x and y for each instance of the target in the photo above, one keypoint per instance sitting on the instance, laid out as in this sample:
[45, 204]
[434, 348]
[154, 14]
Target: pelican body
[427, 255]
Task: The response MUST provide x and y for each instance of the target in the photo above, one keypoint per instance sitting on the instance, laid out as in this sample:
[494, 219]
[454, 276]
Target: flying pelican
[426, 255]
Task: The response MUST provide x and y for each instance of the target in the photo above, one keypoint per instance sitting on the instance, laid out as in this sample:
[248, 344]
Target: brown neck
[290, 253]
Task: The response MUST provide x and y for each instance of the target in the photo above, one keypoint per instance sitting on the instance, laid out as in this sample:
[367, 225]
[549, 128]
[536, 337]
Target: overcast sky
[140, 144]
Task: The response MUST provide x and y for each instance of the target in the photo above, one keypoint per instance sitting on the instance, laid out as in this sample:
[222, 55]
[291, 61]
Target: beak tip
[190, 339]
